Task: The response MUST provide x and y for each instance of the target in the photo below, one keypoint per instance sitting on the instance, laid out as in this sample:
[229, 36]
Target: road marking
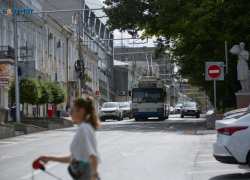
[200, 172]
[7, 142]
[28, 176]
[103, 132]
[30, 140]
[146, 132]
[126, 132]
[122, 134]
[205, 162]
[64, 134]
[168, 132]
[190, 132]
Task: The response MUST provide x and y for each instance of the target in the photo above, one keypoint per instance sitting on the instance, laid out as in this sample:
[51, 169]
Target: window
[147, 95]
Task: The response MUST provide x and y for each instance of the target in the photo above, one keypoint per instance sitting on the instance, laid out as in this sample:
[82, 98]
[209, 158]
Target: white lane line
[214, 71]
[200, 172]
[121, 135]
[205, 162]
[28, 176]
[7, 142]
[35, 139]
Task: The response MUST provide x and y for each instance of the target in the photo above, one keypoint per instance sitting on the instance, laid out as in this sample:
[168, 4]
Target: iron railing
[7, 52]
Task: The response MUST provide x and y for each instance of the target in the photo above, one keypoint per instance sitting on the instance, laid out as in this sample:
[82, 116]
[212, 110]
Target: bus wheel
[166, 117]
[136, 119]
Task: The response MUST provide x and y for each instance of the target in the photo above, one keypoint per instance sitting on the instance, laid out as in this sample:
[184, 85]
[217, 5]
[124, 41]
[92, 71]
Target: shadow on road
[237, 176]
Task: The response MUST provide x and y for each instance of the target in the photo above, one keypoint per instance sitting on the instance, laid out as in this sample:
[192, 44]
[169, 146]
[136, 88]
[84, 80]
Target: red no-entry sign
[214, 71]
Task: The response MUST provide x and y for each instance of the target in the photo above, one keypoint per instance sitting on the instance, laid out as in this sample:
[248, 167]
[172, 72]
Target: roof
[65, 18]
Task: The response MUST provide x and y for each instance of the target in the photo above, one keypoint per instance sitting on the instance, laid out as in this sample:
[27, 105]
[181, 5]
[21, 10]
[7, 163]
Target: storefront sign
[4, 82]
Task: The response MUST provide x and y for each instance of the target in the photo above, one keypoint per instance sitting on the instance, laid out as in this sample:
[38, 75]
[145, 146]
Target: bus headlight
[160, 109]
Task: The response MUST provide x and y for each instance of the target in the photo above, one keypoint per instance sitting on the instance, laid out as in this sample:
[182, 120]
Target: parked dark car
[190, 109]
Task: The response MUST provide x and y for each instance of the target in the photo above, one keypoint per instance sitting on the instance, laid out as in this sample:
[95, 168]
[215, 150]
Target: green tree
[29, 91]
[46, 94]
[197, 29]
[58, 95]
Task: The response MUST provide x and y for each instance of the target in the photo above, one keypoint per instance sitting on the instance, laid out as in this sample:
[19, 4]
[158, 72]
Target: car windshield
[178, 105]
[147, 95]
[124, 105]
[189, 105]
[110, 105]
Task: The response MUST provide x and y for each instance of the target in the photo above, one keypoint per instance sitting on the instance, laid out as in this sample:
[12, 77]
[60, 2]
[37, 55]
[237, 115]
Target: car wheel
[119, 118]
[102, 119]
[198, 116]
[182, 116]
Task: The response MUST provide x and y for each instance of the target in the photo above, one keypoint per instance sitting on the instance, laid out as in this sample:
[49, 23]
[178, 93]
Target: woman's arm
[94, 164]
[61, 159]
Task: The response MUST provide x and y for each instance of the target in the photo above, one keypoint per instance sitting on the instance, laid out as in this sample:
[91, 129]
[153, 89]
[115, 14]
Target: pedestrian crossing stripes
[189, 132]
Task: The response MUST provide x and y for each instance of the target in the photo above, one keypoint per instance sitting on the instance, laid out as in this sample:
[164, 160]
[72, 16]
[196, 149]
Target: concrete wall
[33, 129]
[54, 126]
[6, 131]
[4, 115]
[67, 123]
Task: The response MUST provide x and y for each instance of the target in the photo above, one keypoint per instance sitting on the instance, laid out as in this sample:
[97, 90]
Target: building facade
[55, 48]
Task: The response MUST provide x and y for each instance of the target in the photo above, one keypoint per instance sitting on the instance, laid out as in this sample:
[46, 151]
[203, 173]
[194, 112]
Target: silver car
[111, 110]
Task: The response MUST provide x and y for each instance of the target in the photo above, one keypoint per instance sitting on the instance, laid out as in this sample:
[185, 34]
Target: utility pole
[16, 66]
[80, 20]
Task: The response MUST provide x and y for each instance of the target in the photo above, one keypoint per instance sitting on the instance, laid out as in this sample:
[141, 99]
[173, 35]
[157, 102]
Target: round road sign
[214, 71]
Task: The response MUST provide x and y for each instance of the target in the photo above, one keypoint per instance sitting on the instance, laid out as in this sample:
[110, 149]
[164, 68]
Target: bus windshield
[147, 95]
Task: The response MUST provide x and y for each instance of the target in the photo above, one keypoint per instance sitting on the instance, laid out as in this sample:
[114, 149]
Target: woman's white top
[84, 143]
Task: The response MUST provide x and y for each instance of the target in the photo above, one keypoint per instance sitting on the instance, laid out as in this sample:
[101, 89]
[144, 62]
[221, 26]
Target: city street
[174, 149]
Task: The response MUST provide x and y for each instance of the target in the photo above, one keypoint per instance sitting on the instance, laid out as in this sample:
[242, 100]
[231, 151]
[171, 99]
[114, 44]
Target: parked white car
[233, 142]
[111, 110]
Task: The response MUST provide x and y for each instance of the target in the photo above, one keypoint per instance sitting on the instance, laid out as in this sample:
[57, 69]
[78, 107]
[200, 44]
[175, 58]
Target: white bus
[150, 98]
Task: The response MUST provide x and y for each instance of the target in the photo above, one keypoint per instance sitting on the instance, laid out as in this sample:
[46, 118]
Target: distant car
[233, 143]
[125, 106]
[177, 109]
[190, 109]
[111, 110]
[210, 112]
[171, 110]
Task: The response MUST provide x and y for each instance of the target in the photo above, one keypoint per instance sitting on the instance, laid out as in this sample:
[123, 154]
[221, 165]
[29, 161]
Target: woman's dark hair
[90, 113]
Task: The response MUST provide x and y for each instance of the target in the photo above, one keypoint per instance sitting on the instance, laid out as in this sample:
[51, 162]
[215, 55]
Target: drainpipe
[67, 64]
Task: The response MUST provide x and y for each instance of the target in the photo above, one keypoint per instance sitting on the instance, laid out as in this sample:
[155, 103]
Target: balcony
[7, 55]
[88, 74]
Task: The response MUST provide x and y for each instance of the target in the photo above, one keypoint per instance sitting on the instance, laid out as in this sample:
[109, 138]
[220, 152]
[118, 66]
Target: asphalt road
[174, 149]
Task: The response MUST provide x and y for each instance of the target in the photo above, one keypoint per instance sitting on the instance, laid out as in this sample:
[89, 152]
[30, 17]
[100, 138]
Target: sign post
[214, 71]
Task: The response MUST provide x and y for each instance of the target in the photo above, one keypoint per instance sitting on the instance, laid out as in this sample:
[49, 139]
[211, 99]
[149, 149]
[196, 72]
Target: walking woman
[84, 156]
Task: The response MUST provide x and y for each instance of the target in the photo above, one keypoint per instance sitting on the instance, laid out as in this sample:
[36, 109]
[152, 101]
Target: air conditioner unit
[59, 44]
[50, 36]
[121, 93]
